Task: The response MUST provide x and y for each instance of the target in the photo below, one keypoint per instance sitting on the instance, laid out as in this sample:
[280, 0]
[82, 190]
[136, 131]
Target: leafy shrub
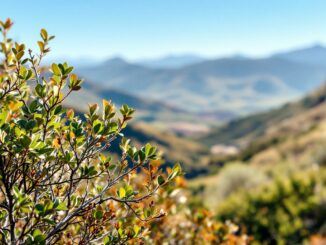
[286, 211]
[56, 184]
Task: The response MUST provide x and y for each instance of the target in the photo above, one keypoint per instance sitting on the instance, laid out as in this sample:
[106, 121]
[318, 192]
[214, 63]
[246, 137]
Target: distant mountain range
[189, 97]
[172, 61]
[235, 85]
[148, 110]
[314, 55]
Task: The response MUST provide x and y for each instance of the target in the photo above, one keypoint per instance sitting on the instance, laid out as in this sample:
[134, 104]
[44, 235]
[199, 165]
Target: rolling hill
[147, 109]
[276, 128]
[239, 86]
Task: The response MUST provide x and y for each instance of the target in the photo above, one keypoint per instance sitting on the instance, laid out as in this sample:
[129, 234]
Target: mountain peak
[172, 61]
[115, 61]
[317, 46]
[312, 55]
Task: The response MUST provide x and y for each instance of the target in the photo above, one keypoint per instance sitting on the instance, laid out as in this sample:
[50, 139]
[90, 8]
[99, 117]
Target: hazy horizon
[176, 55]
[137, 31]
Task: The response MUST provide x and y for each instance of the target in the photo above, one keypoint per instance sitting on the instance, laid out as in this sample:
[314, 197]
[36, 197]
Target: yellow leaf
[73, 77]
[41, 46]
[72, 135]
[44, 34]
[56, 142]
[122, 192]
[106, 103]
[53, 82]
[157, 162]
[15, 105]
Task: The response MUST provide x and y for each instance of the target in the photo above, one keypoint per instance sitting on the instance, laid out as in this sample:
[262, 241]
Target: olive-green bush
[285, 211]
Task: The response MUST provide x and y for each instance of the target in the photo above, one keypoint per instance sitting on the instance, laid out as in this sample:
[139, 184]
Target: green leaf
[38, 236]
[130, 191]
[3, 117]
[176, 171]
[141, 155]
[93, 109]
[40, 90]
[55, 69]
[37, 232]
[160, 180]
[147, 212]
[25, 141]
[30, 125]
[61, 207]
[44, 34]
[113, 127]
[98, 214]
[107, 240]
[39, 207]
[22, 123]
[136, 230]
[113, 166]
[97, 126]
[58, 109]
[33, 106]
[29, 74]
[49, 221]
[149, 150]
[68, 70]
[17, 193]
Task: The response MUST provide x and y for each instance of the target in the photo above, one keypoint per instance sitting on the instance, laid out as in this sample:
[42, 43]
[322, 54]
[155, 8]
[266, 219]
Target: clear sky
[137, 29]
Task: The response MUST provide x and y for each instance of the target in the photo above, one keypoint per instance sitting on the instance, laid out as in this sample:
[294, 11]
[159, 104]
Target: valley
[200, 136]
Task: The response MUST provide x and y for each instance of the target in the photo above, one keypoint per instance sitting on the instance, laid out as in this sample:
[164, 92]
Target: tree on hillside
[58, 182]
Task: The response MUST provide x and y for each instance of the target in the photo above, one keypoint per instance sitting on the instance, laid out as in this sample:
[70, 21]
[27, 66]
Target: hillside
[259, 132]
[149, 110]
[92, 92]
[275, 145]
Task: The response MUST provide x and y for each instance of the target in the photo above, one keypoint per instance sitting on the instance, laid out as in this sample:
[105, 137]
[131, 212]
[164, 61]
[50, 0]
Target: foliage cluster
[285, 211]
[58, 182]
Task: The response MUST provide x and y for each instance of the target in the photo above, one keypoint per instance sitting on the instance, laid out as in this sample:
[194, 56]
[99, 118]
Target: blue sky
[137, 29]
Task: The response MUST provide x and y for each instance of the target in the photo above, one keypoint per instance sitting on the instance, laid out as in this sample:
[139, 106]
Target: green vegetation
[85, 177]
[285, 211]
[276, 189]
[56, 185]
[68, 177]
